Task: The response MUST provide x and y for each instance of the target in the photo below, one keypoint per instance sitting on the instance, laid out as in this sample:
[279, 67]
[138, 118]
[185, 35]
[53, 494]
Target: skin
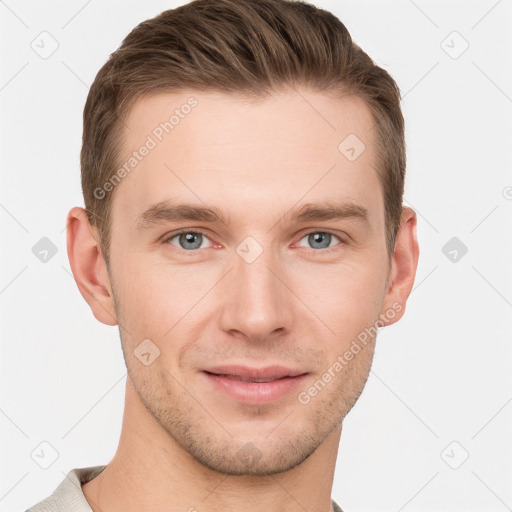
[295, 305]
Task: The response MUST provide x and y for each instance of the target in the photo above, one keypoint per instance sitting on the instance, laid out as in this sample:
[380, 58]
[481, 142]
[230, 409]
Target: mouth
[241, 379]
[254, 385]
[248, 374]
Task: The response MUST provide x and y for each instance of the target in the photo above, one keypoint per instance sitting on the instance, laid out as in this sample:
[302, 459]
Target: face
[257, 285]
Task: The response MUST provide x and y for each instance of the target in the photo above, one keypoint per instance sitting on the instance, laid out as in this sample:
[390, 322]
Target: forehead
[229, 150]
[318, 119]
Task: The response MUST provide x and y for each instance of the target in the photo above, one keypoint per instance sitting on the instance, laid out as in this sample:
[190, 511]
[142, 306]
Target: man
[243, 168]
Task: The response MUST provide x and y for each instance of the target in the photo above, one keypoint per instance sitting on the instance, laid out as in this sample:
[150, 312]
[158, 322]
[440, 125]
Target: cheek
[346, 298]
[158, 298]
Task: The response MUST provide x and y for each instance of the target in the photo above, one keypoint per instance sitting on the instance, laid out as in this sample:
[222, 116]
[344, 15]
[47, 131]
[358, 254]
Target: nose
[256, 299]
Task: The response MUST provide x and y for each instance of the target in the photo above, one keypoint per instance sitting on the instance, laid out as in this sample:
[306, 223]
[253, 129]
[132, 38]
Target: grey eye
[320, 239]
[189, 240]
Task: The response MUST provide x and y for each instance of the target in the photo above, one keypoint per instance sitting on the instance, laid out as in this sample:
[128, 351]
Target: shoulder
[68, 496]
[336, 507]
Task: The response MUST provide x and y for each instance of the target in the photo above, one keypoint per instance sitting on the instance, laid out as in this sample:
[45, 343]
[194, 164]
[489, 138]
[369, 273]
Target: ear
[402, 270]
[88, 266]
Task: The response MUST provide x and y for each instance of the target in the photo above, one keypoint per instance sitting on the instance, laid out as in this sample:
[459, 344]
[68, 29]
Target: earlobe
[89, 267]
[403, 268]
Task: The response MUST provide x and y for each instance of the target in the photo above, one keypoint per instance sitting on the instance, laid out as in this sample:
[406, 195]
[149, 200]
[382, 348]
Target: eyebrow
[166, 211]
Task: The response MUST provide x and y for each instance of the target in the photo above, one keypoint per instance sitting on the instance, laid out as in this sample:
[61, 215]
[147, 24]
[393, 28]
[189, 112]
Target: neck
[150, 471]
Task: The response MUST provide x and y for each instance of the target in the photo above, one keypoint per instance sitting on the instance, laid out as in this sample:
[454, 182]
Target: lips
[255, 386]
[241, 379]
[247, 374]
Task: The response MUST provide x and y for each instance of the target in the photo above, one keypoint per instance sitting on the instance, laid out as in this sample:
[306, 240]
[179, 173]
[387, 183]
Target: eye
[321, 240]
[188, 240]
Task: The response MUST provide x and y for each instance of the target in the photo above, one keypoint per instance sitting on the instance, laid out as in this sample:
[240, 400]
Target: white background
[442, 374]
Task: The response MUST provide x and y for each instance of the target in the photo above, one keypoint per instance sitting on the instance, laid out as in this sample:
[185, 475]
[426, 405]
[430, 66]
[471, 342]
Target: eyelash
[167, 240]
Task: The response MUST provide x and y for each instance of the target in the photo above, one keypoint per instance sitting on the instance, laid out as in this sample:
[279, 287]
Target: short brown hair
[248, 47]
